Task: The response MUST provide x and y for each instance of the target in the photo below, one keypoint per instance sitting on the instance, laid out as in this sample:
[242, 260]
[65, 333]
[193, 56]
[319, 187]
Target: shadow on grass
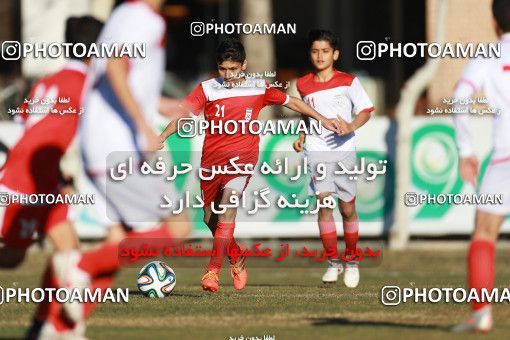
[347, 322]
[282, 285]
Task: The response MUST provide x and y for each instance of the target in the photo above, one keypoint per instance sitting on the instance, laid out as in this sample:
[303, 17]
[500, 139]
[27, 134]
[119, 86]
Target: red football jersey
[221, 104]
[33, 164]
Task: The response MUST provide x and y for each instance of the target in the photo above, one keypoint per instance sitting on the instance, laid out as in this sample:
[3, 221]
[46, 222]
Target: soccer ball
[156, 279]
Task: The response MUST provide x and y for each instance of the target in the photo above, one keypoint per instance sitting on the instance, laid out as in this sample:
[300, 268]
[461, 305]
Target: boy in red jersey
[121, 103]
[231, 97]
[33, 164]
[334, 94]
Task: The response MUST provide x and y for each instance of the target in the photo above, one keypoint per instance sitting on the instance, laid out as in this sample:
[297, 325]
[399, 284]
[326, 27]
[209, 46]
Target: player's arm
[172, 127]
[299, 143]
[117, 73]
[466, 88]
[468, 163]
[168, 106]
[193, 103]
[362, 108]
[358, 122]
[300, 106]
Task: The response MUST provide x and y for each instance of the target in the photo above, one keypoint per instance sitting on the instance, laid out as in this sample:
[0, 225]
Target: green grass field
[285, 303]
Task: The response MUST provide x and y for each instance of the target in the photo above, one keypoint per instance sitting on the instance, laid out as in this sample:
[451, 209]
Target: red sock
[101, 282]
[100, 260]
[480, 268]
[351, 236]
[222, 237]
[327, 230]
[233, 245]
[104, 259]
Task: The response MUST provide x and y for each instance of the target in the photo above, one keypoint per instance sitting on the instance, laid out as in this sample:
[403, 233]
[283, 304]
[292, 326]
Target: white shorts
[337, 184]
[107, 138]
[134, 202]
[497, 182]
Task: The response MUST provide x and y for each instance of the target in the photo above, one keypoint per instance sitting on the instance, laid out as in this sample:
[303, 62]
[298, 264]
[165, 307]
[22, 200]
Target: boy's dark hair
[501, 11]
[83, 30]
[232, 50]
[322, 35]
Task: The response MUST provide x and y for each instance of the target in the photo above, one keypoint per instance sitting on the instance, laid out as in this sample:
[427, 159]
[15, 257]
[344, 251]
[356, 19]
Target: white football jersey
[135, 23]
[492, 76]
[106, 126]
[341, 96]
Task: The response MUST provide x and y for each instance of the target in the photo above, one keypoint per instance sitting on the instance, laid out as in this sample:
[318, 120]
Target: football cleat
[351, 274]
[479, 322]
[335, 268]
[239, 273]
[210, 282]
[70, 276]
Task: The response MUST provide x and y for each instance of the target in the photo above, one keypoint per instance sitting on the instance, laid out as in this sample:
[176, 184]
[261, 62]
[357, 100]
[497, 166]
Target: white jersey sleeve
[470, 82]
[136, 23]
[359, 98]
[133, 24]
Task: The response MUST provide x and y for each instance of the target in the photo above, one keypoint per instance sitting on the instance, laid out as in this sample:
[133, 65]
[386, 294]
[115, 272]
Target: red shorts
[20, 223]
[214, 187]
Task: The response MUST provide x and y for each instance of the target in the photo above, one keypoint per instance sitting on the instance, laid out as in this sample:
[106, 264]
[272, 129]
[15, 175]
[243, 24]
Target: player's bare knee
[180, 230]
[185, 228]
[179, 226]
[228, 216]
[64, 237]
[115, 234]
[322, 195]
[485, 232]
[487, 226]
[348, 211]
[324, 214]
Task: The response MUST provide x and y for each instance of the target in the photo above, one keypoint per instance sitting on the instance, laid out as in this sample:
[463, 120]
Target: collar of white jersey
[76, 65]
[505, 37]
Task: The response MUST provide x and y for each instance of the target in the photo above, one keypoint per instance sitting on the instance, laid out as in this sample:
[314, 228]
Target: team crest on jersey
[248, 113]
